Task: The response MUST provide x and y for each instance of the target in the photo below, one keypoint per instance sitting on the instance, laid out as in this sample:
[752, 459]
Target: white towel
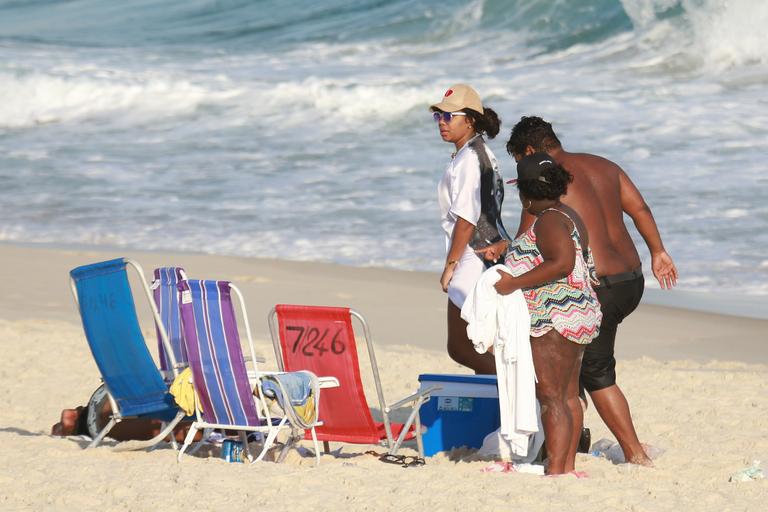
[502, 321]
[500, 447]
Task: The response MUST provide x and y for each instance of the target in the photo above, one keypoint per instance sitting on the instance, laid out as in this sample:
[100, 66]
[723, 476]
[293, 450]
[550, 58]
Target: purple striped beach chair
[166, 295]
[225, 394]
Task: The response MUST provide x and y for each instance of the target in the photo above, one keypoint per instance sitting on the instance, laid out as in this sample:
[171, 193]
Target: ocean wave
[30, 97]
[306, 131]
[708, 33]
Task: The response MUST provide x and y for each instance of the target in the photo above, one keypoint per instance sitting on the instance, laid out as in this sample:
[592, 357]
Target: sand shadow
[22, 432]
[81, 441]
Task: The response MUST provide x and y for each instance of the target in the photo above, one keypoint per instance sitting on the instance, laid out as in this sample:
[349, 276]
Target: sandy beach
[697, 383]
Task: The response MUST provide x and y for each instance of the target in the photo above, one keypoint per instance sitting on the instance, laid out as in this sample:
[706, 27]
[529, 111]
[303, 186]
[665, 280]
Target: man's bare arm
[634, 205]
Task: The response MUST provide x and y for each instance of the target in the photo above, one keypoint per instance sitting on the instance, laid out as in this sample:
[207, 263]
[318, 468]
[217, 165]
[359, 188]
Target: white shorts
[468, 270]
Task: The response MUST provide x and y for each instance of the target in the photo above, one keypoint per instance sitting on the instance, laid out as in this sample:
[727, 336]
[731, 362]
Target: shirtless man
[601, 193]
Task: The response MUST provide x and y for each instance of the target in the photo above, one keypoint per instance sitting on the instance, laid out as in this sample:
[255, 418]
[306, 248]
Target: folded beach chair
[133, 382]
[322, 340]
[226, 397]
[166, 295]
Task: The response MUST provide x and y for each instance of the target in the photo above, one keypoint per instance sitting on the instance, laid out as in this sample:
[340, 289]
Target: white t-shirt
[458, 194]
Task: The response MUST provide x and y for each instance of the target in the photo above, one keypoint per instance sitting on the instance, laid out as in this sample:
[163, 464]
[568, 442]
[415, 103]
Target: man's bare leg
[613, 408]
[460, 347]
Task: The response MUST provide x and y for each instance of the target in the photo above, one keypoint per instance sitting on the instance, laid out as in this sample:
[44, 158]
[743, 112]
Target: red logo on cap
[448, 92]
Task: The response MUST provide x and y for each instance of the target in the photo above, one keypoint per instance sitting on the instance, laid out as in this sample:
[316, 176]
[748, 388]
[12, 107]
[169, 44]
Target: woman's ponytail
[487, 123]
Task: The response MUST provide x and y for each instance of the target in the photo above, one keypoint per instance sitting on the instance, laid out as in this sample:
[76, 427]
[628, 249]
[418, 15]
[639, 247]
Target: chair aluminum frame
[416, 399]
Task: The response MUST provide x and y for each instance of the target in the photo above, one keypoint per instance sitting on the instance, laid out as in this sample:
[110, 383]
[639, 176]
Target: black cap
[530, 167]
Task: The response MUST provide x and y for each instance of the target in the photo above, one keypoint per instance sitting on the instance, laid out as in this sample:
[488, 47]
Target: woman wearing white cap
[470, 196]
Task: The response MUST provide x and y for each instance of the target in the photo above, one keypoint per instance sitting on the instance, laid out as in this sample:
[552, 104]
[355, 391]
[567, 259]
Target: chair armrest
[259, 359]
[252, 374]
[323, 382]
[422, 396]
[328, 382]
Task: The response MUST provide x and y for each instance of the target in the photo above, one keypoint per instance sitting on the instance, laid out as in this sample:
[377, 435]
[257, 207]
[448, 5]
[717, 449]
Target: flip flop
[405, 461]
[577, 474]
[410, 461]
[392, 459]
[500, 467]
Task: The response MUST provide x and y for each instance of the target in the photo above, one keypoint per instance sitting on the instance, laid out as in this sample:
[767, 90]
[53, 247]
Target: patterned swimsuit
[568, 305]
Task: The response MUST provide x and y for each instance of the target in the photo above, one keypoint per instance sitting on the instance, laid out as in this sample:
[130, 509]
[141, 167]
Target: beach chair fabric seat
[321, 339]
[213, 345]
[166, 295]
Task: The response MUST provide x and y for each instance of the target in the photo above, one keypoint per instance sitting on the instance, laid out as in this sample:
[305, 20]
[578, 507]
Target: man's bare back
[596, 193]
[602, 192]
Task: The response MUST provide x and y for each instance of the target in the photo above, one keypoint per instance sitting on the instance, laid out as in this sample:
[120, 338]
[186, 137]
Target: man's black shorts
[617, 301]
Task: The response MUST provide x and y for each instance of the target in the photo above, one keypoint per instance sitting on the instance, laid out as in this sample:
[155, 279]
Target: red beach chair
[322, 340]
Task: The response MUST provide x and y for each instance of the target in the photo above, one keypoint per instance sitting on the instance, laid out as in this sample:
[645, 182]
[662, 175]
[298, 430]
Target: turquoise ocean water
[299, 129]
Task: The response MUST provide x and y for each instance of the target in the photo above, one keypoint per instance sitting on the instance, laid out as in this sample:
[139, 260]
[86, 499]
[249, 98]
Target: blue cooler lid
[459, 385]
[458, 378]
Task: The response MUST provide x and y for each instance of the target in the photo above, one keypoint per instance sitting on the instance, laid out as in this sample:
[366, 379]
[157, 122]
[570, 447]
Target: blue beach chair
[133, 382]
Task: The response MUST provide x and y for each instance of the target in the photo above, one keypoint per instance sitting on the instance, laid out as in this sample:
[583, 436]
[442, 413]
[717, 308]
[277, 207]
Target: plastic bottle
[753, 472]
[612, 451]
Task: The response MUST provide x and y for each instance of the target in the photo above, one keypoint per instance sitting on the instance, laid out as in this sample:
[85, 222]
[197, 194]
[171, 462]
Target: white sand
[687, 375]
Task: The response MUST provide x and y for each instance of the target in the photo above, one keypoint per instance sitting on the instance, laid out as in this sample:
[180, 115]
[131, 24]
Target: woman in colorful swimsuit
[470, 196]
[551, 263]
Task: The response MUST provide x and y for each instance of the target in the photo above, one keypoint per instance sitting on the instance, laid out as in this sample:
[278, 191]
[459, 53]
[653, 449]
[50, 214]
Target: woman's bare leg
[576, 408]
[554, 358]
[460, 347]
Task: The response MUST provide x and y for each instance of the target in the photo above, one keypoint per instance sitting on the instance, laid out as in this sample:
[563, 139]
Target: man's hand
[494, 251]
[664, 270]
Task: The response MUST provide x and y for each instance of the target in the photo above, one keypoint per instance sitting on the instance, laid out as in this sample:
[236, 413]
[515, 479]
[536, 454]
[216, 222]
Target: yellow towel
[306, 412]
[184, 392]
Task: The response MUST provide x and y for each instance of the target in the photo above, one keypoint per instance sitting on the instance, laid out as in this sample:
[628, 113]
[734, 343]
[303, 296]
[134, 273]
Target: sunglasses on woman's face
[446, 116]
